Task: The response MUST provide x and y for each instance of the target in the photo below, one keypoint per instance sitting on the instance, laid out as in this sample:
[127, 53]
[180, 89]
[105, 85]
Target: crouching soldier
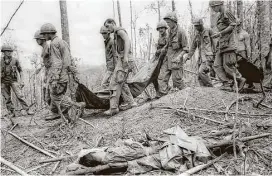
[45, 63]
[227, 45]
[62, 80]
[204, 43]
[173, 61]
[118, 80]
[109, 56]
[11, 78]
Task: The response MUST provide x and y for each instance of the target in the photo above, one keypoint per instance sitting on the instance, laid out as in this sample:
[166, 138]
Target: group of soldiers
[215, 59]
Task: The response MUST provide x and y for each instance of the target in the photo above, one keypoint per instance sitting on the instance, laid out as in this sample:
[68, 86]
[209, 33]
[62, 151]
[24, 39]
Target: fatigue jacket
[205, 45]
[227, 42]
[109, 53]
[9, 72]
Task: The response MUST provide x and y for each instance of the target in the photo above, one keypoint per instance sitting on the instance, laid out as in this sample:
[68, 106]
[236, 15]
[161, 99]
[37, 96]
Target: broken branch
[57, 159]
[201, 167]
[12, 166]
[244, 139]
[30, 144]
[86, 122]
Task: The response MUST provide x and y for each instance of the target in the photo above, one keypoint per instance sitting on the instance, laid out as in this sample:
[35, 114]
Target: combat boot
[111, 112]
[52, 116]
[226, 86]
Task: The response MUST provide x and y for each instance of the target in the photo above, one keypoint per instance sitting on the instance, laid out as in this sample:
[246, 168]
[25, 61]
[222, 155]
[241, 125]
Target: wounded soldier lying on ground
[174, 151]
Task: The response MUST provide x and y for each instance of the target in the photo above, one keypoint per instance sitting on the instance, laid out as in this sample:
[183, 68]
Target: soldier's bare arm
[125, 38]
[247, 44]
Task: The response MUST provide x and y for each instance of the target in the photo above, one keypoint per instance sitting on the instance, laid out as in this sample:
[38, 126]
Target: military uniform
[173, 62]
[109, 44]
[204, 43]
[10, 68]
[228, 46]
[243, 45]
[118, 83]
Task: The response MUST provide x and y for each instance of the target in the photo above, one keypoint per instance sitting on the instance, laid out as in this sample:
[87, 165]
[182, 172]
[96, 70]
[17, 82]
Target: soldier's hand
[216, 35]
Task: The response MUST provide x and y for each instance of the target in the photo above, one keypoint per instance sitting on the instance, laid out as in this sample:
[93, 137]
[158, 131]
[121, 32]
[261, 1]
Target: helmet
[198, 21]
[38, 35]
[103, 29]
[162, 24]
[213, 3]
[48, 28]
[172, 16]
[6, 47]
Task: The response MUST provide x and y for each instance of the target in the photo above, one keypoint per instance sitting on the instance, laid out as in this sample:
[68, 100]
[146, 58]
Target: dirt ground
[150, 117]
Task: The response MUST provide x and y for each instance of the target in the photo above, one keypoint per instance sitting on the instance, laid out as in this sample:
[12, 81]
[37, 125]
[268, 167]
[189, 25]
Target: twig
[264, 105]
[37, 167]
[202, 117]
[201, 167]
[55, 167]
[86, 122]
[12, 166]
[235, 119]
[232, 103]
[98, 141]
[57, 159]
[11, 18]
[30, 144]
[5, 169]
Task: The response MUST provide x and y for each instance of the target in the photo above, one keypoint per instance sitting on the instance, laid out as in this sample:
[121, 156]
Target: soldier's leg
[5, 90]
[106, 80]
[163, 78]
[16, 89]
[127, 97]
[177, 77]
[230, 65]
[219, 69]
[203, 77]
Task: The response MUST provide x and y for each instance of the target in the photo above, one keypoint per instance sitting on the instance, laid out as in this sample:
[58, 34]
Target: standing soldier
[62, 76]
[109, 56]
[118, 83]
[205, 45]
[243, 46]
[160, 52]
[46, 63]
[226, 23]
[11, 78]
[173, 62]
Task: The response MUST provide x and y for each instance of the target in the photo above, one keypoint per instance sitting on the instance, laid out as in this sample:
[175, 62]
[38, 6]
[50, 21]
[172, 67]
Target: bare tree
[113, 9]
[240, 9]
[173, 6]
[64, 21]
[156, 7]
[131, 38]
[119, 12]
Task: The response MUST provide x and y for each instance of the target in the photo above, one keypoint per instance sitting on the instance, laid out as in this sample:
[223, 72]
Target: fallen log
[12, 166]
[201, 167]
[97, 168]
[30, 144]
[244, 139]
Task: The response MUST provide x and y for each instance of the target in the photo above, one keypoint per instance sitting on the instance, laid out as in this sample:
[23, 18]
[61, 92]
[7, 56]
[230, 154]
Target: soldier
[46, 63]
[11, 78]
[226, 23]
[62, 76]
[243, 46]
[173, 62]
[118, 83]
[205, 45]
[109, 56]
[160, 52]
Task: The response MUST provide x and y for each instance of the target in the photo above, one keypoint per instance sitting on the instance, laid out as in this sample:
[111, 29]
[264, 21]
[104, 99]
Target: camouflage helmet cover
[197, 21]
[38, 35]
[6, 47]
[213, 3]
[48, 28]
[172, 16]
[162, 24]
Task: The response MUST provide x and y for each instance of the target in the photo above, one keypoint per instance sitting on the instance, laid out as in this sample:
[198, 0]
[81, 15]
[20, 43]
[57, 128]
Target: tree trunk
[240, 9]
[135, 39]
[159, 10]
[131, 38]
[113, 9]
[119, 13]
[173, 6]
[149, 46]
[191, 10]
[64, 21]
